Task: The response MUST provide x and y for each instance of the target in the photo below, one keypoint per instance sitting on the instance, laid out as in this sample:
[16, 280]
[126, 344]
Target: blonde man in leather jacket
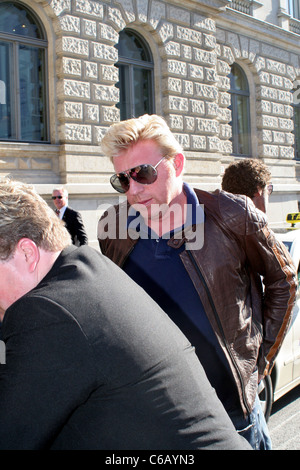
[200, 255]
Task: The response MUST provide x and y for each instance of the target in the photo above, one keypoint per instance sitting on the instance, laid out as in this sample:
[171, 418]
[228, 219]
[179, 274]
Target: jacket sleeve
[39, 385]
[269, 258]
[279, 276]
[79, 230]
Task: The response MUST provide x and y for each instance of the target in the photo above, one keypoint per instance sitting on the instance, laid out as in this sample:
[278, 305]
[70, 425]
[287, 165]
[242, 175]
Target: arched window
[240, 110]
[135, 75]
[23, 110]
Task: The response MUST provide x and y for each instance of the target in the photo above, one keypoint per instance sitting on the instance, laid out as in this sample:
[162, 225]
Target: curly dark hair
[243, 177]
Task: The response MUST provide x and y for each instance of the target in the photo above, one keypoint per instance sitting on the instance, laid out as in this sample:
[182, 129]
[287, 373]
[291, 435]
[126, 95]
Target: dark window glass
[297, 130]
[240, 123]
[23, 103]
[15, 19]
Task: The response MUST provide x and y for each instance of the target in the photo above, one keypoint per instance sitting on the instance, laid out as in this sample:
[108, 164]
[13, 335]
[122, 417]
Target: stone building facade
[194, 45]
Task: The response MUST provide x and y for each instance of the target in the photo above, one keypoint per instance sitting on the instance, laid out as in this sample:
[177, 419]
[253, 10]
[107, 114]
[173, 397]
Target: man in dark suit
[91, 361]
[72, 218]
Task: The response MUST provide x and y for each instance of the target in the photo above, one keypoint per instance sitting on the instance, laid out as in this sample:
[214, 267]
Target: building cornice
[258, 29]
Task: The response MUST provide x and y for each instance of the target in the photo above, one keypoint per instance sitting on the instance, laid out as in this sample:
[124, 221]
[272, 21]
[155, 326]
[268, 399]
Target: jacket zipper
[212, 304]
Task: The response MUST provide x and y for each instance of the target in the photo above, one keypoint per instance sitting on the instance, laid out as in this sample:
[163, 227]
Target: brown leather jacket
[238, 249]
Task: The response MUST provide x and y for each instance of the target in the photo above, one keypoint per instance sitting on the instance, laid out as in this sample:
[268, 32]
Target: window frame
[294, 9]
[131, 64]
[234, 94]
[16, 41]
[296, 109]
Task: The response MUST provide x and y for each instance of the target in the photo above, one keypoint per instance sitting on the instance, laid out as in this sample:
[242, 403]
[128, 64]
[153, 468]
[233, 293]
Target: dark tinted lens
[144, 174]
[120, 182]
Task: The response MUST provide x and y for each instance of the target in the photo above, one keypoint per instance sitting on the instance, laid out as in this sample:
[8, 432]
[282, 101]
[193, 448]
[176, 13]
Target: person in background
[250, 177]
[195, 254]
[72, 218]
[91, 361]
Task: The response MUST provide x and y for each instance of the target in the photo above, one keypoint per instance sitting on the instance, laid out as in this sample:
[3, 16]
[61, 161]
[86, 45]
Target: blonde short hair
[122, 135]
[24, 214]
[61, 188]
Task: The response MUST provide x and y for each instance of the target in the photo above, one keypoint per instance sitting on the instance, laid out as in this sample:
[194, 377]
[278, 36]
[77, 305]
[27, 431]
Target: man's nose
[135, 187]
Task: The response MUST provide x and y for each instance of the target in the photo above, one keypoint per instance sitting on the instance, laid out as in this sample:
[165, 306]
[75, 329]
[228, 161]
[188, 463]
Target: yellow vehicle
[293, 218]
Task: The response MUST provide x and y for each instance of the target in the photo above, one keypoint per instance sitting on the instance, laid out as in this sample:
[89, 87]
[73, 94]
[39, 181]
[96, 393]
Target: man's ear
[259, 191]
[179, 162]
[28, 249]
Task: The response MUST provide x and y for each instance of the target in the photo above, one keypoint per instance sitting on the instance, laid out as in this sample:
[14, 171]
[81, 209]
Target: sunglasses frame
[127, 173]
[56, 197]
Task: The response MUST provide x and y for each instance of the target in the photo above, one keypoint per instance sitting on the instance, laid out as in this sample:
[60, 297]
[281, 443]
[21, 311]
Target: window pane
[142, 92]
[131, 47]
[238, 81]
[15, 19]
[124, 85]
[5, 91]
[135, 76]
[240, 123]
[242, 126]
[32, 100]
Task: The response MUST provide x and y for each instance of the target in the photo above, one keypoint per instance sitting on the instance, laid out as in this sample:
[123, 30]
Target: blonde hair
[61, 188]
[24, 214]
[122, 135]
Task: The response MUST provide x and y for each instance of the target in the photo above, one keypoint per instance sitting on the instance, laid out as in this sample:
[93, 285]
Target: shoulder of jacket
[69, 210]
[235, 211]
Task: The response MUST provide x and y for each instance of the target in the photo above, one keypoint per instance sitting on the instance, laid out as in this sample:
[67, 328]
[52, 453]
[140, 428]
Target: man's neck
[2, 312]
[171, 217]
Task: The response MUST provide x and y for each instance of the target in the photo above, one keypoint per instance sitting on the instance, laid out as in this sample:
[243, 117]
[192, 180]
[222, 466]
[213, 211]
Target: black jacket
[75, 227]
[93, 363]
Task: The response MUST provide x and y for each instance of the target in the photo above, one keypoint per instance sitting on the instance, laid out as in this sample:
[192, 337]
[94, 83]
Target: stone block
[70, 23]
[188, 35]
[76, 88]
[71, 66]
[198, 142]
[77, 133]
[89, 7]
[197, 107]
[209, 92]
[204, 57]
[72, 45]
[91, 113]
[104, 52]
[90, 70]
[106, 93]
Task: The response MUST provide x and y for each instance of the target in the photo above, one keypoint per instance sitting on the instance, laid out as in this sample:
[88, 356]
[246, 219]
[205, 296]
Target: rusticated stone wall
[193, 46]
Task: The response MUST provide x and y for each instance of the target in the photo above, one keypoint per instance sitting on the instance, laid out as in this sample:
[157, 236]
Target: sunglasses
[57, 197]
[143, 174]
[269, 189]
